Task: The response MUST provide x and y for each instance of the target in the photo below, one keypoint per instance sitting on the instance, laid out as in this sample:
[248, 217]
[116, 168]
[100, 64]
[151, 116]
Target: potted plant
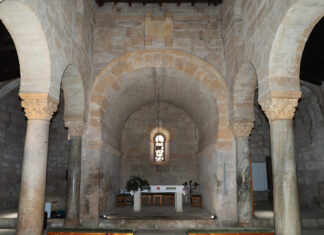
[137, 183]
[134, 185]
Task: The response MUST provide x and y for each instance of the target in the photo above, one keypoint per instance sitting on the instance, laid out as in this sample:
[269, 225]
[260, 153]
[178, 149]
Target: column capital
[242, 128]
[38, 106]
[75, 127]
[279, 108]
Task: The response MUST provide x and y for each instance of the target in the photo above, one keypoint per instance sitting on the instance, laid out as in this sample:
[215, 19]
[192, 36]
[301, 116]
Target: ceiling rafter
[160, 2]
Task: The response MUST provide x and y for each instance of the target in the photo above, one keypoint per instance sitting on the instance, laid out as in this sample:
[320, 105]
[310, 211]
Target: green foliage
[135, 183]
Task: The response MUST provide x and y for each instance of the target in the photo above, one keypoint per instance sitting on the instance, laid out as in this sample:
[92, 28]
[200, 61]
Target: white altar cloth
[166, 189]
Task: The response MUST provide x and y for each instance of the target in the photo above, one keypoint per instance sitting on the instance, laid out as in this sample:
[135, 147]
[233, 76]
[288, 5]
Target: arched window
[159, 145]
[159, 148]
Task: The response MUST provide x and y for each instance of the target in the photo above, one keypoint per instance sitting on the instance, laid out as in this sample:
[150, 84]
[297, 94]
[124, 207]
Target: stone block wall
[182, 163]
[12, 139]
[249, 28]
[309, 138]
[69, 30]
[58, 158]
[309, 147]
[121, 29]
[110, 172]
[217, 175]
[13, 125]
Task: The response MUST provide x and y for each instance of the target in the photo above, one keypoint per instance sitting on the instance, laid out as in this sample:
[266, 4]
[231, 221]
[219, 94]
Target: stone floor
[159, 212]
[8, 213]
[312, 220]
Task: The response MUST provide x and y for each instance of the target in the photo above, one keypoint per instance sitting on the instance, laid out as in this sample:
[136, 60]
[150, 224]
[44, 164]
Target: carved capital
[279, 108]
[38, 106]
[242, 128]
[75, 127]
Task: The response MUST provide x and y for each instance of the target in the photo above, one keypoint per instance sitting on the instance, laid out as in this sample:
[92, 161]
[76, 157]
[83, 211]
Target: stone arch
[243, 94]
[73, 94]
[31, 44]
[288, 46]
[109, 78]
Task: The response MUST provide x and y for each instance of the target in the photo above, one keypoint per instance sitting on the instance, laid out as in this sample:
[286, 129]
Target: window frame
[155, 142]
[154, 132]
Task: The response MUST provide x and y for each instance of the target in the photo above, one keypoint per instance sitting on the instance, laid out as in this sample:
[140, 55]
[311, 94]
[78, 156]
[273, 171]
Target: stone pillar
[74, 173]
[39, 108]
[241, 131]
[280, 112]
[137, 201]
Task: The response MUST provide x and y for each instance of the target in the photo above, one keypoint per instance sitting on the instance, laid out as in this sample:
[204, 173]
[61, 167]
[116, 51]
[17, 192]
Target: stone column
[74, 173]
[280, 112]
[241, 131]
[39, 108]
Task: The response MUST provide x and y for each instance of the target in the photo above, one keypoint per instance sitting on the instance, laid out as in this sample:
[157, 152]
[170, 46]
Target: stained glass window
[159, 148]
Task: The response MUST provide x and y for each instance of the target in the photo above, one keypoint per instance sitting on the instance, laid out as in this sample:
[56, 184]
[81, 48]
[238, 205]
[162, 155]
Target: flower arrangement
[137, 183]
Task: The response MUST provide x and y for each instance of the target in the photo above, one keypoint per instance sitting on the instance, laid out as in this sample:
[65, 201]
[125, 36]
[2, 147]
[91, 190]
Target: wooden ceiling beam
[160, 2]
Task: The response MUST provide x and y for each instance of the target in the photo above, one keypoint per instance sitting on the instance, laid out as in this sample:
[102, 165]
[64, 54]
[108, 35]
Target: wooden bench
[79, 231]
[232, 231]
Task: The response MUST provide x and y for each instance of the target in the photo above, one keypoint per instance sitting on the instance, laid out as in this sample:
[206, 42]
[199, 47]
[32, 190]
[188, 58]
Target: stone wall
[58, 157]
[260, 146]
[309, 146]
[69, 30]
[110, 185]
[217, 175]
[181, 164]
[12, 138]
[308, 135]
[121, 29]
[249, 28]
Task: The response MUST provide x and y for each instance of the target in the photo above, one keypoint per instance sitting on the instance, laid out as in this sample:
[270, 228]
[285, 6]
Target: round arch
[201, 71]
[288, 46]
[166, 133]
[72, 85]
[31, 44]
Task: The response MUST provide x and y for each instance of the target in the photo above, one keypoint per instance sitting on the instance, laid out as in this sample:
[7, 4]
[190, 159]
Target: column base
[242, 224]
[71, 223]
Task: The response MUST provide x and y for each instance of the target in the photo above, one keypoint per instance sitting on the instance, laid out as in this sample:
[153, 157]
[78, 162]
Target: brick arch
[288, 46]
[31, 44]
[201, 71]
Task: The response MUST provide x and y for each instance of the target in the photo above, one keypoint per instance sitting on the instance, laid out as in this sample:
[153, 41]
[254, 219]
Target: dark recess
[9, 64]
[312, 62]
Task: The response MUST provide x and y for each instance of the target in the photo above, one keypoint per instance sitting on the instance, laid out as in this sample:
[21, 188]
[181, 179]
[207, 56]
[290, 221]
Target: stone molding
[38, 106]
[242, 128]
[279, 108]
[75, 127]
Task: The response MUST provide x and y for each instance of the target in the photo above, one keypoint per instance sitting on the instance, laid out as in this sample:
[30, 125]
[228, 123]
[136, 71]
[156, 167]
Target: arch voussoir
[193, 67]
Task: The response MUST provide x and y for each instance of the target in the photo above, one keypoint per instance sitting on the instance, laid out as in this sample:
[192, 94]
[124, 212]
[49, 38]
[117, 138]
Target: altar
[178, 190]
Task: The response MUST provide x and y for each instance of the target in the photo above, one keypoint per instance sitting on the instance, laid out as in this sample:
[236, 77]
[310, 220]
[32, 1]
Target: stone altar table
[178, 190]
